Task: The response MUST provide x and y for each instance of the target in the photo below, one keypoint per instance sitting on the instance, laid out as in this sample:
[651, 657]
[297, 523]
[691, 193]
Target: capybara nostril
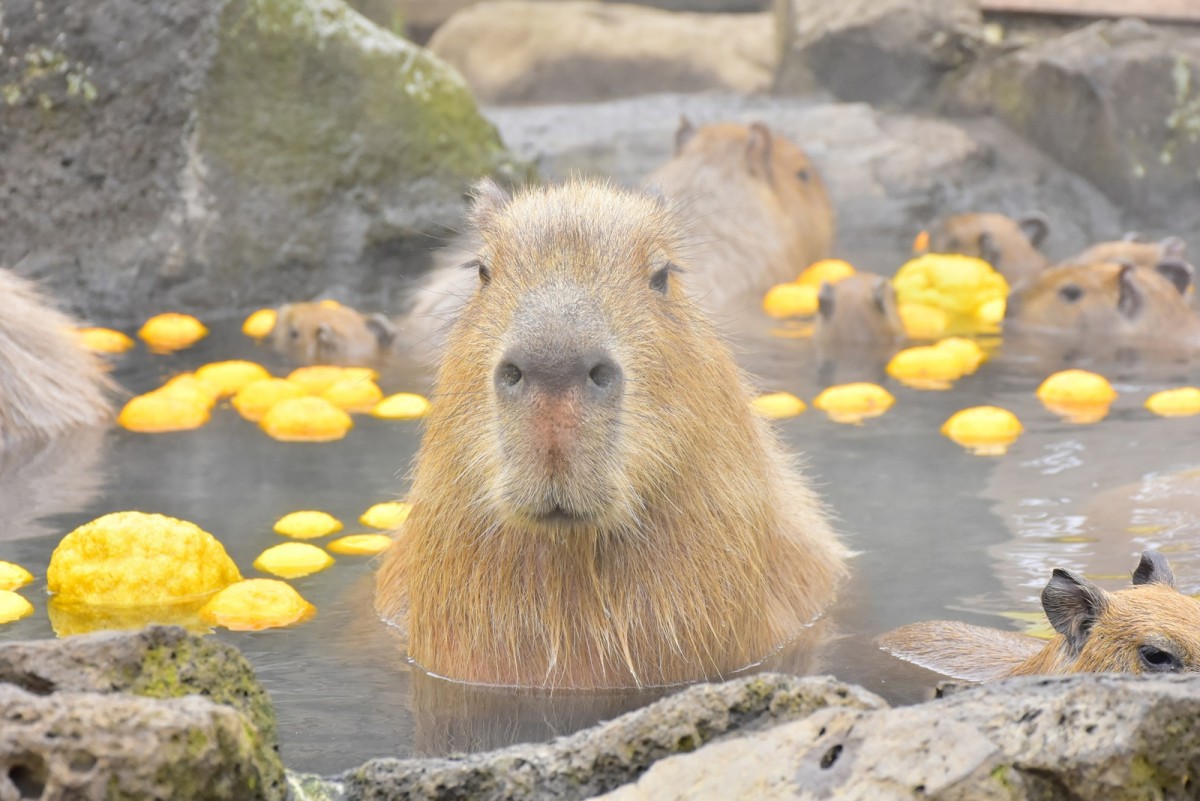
[593, 373]
[508, 377]
[605, 378]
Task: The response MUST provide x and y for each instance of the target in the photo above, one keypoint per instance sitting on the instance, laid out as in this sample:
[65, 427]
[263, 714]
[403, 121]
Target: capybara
[48, 382]
[328, 333]
[756, 208]
[595, 504]
[1150, 627]
[1133, 250]
[1108, 303]
[1010, 245]
[858, 310]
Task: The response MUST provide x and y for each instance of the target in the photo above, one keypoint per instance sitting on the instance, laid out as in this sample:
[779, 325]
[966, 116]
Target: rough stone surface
[1118, 102]
[224, 153]
[1086, 738]
[607, 756]
[519, 51]
[69, 745]
[885, 52]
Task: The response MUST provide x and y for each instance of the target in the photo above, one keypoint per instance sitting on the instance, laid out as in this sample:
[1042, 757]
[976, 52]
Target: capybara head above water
[595, 504]
[1106, 302]
[1150, 627]
[755, 209]
[1010, 245]
[1133, 250]
[329, 333]
[860, 309]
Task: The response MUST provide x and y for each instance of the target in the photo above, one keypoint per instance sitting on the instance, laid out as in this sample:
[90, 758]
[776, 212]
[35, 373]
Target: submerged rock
[214, 154]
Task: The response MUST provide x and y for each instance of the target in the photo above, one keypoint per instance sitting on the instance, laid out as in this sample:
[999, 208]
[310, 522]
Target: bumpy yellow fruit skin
[927, 367]
[778, 405]
[1076, 386]
[826, 271]
[164, 333]
[853, 403]
[13, 607]
[354, 394]
[260, 324]
[104, 340]
[256, 604]
[969, 290]
[361, 544]
[163, 411]
[791, 300]
[13, 576]
[307, 524]
[985, 430]
[1180, 402]
[138, 559]
[258, 397]
[388, 515]
[293, 560]
[401, 406]
[307, 419]
[229, 377]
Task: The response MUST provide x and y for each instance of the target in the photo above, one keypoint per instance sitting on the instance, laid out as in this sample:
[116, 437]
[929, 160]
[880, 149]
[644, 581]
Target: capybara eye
[658, 281]
[294, 333]
[1156, 660]
[802, 175]
[1070, 292]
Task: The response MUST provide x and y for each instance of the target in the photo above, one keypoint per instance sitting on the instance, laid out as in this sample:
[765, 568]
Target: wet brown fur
[995, 238]
[757, 209]
[859, 310]
[49, 383]
[696, 549]
[320, 333]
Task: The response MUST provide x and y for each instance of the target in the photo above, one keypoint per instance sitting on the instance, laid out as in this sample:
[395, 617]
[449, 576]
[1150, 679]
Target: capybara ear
[1073, 604]
[1133, 236]
[1035, 225]
[487, 200]
[1172, 247]
[1153, 569]
[1178, 272]
[1129, 298]
[684, 133]
[382, 327]
[825, 300]
[881, 292]
[758, 150]
[989, 249]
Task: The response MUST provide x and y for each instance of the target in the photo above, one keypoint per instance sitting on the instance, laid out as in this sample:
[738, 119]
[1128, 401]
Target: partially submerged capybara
[1101, 304]
[48, 382]
[1133, 250]
[756, 208]
[1010, 245]
[594, 502]
[859, 310]
[1150, 627]
[329, 333]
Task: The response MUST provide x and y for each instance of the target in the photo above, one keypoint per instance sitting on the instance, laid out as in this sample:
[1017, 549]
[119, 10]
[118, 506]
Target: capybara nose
[594, 373]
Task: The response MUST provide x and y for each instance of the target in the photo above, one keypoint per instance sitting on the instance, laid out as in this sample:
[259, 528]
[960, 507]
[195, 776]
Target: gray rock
[1088, 738]
[609, 755]
[223, 153]
[885, 52]
[89, 746]
[521, 51]
[1118, 102]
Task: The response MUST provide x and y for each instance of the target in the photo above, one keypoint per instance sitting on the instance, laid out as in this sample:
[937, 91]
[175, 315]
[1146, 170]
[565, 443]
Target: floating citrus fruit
[1180, 402]
[13, 607]
[961, 286]
[306, 419]
[791, 300]
[388, 515]
[293, 560]
[164, 333]
[361, 544]
[13, 576]
[985, 430]
[104, 340]
[927, 367]
[187, 386]
[401, 406]
[256, 604]
[256, 398]
[68, 619]
[825, 271]
[354, 394]
[1079, 396]
[968, 350]
[136, 559]
[923, 322]
[307, 525]
[777, 405]
[229, 377]
[260, 324]
[920, 242]
[160, 412]
[316, 378]
[853, 403]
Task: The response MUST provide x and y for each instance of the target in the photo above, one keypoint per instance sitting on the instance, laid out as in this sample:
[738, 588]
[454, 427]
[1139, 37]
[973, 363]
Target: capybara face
[859, 309]
[1148, 628]
[1132, 250]
[1104, 301]
[325, 333]
[1011, 246]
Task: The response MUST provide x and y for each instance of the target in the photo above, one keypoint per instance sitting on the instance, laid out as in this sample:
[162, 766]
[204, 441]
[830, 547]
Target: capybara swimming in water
[1011, 246]
[1133, 250]
[858, 310]
[1150, 627]
[330, 333]
[756, 208]
[594, 502]
[48, 382]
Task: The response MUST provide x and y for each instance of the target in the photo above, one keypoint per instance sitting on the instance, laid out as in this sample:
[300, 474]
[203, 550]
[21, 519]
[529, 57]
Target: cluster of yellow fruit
[128, 569]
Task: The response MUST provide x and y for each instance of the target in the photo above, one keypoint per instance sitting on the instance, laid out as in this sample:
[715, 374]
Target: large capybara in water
[595, 504]
[1150, 627]
[330, 333]
[1010, 245]
[48, 382]
[756, 208]
[1133, 250]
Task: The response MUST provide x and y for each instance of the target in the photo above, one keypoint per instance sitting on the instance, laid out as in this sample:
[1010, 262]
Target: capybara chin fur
[48, 382]
[1010, 245]
[329, 333]
[756, 209]
[1150, 627]
[594, 502]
